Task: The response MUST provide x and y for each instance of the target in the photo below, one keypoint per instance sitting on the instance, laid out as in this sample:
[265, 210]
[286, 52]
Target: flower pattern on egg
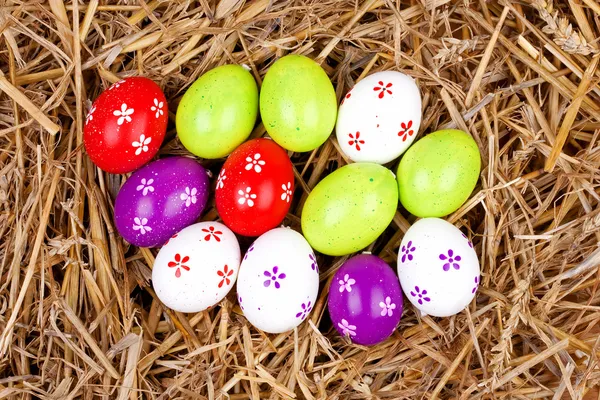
[305, 309]
[247, 197]
[189, 196]
[346, 284]
[145, 186]
[287, 192]
[254, 163]
[179, 263]
[158, 108]
[140, 224]
[451, 260]
[273, 276]
[212, 233]
[387, 307]
[355, 140]
[347, 329]
[142, 145]
[124, 114]
[383, 89]
[225, 274]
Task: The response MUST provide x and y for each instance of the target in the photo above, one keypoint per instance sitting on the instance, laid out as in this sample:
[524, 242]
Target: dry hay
[78, 318]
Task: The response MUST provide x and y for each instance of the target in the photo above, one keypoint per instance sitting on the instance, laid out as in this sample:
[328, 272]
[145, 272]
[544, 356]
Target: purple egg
[160, 199]
[365, 300]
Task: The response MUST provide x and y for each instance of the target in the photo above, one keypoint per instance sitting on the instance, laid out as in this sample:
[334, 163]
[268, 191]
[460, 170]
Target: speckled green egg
[298, 106]
[218, 112]
[350, 208]
[438, 173]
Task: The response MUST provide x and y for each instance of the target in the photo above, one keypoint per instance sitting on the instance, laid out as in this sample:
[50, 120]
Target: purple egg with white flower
[365, 300]
[438, 267]
[278, 281]
[160, 199]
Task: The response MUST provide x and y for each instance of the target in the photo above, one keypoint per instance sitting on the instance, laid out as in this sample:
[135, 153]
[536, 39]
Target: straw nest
[78, 318]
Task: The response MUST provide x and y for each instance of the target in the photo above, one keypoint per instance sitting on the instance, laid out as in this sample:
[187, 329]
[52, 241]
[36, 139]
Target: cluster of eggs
[278, 277]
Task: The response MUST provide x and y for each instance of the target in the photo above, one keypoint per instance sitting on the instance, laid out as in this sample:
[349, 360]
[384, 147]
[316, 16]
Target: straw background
[78, 317]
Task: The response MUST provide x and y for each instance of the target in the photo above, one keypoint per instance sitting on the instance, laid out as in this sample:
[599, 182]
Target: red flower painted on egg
[355, 140]
[406, 130]
[179, 263]
[383, 89]
[225, 274]
[212, 233]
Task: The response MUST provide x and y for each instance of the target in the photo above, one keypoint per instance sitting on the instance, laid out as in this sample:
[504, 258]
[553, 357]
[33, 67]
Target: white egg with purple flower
[278, 281]
[438, 267]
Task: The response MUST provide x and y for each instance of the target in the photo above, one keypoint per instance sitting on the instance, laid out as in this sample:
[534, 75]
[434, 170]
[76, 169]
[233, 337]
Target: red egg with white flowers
[126, 125]
[255, 187]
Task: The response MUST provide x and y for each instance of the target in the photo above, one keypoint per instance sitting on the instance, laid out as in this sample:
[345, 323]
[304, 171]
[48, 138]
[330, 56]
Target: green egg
[438, 173]
[350, 208]
[218, 112]
[298, 106]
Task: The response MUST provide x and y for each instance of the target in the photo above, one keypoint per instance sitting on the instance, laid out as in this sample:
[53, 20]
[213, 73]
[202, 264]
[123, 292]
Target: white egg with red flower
[379, 118]
[438, 267]
[278, 281]
[197, 267]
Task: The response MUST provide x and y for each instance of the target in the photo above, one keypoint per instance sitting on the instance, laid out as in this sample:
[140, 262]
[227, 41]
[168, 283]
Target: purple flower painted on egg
[468, 241]
[273, 277]
[476, 284]
[314, 265]
[248, 252]
[407, 250]
[420, 295]
[451, 260]
[240, 301]
[306, 309]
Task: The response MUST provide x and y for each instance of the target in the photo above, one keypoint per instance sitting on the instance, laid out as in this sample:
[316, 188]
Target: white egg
[197, 267]
[438, 267]
[379, 118]
[278, 281]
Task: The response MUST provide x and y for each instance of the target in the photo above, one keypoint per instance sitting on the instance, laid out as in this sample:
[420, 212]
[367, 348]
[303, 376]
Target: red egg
[255, 187]
[126, 125]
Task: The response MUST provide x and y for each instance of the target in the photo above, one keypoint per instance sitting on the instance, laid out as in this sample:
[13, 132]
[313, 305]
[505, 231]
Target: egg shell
[350, 208]
[379, 118]
[278, 281]
[438, 173]
[438, 267]
[298, 106]
[365, 300]
[160, 199]
[126, 125]
[218, 112]
[255, 187]
[197, 267]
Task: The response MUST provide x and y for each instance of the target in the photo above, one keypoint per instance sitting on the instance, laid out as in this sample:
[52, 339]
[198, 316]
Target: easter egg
[350, 208]
[126, 125]
[379, 118]
[298, 106]
[160, 199]
[365, 300]
[278, 281]
[438, 173]
[197, 267]
[438, 267]
[255, 187]
[218, 112]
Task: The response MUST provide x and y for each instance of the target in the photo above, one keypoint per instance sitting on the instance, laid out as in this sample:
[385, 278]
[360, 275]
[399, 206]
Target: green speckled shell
[218, 112]
[298, 106]
[350, 208]
[438, 173]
